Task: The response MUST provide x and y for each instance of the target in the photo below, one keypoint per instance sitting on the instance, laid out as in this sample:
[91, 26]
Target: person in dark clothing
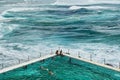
[61, 52]
[57, 52]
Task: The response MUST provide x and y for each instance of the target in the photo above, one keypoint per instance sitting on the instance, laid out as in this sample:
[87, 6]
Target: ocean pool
[62, 68]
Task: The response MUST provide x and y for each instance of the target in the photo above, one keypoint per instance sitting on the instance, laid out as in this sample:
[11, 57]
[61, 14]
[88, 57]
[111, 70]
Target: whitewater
[28, 29]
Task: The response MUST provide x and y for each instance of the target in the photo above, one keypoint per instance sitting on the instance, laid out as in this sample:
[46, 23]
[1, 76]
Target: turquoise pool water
[61, 68]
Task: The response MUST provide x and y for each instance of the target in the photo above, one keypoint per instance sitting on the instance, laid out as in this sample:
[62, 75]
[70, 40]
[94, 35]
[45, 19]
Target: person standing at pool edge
[61, 52]
[57, 52]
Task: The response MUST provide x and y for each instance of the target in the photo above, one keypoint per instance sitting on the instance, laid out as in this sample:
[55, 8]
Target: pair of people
[59, 52]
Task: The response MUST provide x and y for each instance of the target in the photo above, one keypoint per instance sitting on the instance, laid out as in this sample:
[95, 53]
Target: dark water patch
[16, 33]
[111, 39]
[39, 28]
[70, 12]
[89, 32]
[104, 23]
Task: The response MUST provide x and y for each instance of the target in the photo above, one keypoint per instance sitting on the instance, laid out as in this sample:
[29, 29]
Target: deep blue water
[29, 30]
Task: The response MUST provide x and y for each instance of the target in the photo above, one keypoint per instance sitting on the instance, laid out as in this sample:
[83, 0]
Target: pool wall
[95, 68]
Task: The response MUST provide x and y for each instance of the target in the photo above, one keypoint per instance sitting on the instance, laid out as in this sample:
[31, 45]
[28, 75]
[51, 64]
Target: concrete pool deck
[94, 63]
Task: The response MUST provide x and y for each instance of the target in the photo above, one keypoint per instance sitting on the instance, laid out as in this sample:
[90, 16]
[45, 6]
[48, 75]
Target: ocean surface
[30, 29]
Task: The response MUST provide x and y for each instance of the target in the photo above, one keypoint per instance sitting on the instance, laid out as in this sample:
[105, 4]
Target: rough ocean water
[28, 29]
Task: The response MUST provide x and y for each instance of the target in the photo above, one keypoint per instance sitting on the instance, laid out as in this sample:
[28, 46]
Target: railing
[19, 61]
[91, 59]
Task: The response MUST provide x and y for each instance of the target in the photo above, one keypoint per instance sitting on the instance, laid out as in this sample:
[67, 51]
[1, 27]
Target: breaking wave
[89, 7]
[85, 2]
[6, 29]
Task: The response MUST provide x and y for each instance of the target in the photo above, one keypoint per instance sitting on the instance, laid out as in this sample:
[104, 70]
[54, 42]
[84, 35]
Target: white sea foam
[75, 7]
[5, 29]
[85, 2]
[40, 1]
[18, 9]
[89, 7]
[99, 51]
[71, 2]
[2, 19]
[16, 51]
